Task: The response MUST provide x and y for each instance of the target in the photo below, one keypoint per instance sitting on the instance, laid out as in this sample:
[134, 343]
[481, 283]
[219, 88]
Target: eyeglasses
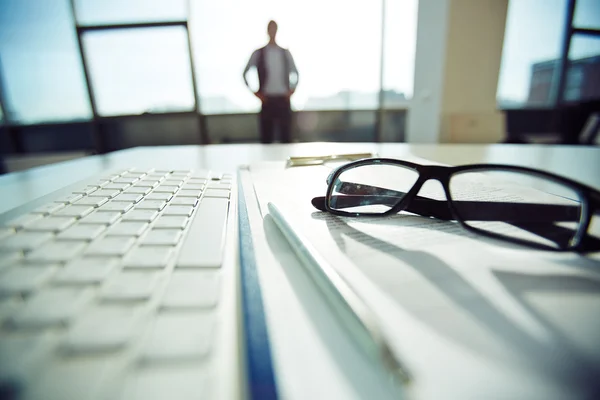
[515, 204]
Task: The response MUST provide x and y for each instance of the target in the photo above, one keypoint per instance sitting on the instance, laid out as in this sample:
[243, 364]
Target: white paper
[469, 316]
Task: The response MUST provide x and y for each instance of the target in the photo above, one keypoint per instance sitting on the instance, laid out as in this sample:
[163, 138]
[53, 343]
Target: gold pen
[317, 160]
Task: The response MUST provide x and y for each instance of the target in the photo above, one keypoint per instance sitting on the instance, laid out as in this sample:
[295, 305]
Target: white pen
[357, 317]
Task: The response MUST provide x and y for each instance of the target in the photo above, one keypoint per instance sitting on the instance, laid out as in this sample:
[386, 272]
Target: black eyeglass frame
[588, 196]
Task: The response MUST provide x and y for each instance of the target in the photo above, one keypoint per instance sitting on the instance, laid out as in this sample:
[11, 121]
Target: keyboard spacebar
[203, 245]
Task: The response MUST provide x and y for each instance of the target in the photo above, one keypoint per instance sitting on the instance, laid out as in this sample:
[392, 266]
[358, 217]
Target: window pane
[399, 52]
[134, 71]
[40, 66]
[587, 14]
[583, 75]
[338, 62]
[532, 44]
[103, 12]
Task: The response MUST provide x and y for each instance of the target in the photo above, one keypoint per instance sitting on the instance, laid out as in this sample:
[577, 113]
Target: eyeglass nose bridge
[435, 173]
[426, 173]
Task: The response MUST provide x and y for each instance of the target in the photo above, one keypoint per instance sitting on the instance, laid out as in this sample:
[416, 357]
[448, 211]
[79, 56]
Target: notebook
[468, 317]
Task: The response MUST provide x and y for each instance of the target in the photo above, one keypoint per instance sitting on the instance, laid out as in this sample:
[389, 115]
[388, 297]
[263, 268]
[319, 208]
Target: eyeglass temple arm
[470, 210]
[558, 234]
[419, 205]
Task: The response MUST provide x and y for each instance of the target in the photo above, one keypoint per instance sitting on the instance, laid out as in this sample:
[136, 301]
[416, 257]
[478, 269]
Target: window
[103, 12]
[339, 65]
[41, 69]
[583, 74]
[532, 46]
[142, 70]
[400, 39]
[587, 14]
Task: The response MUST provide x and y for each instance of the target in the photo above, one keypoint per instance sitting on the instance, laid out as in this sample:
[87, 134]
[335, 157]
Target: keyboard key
[76, 211]
[82, 232]
[110, 246]
[86, 190]
[105, 218]
[159, 196]
[105, 193]
[128, 179]
[70, 199]
[56, 251]
[179, 336]
[191, 289]
[51, 224]
[151, 205]
[128, 228]
[139, 189]
[19, 351]
[129, 197]
[173, 182]
[179, 210]
[92, 201]
[148, 257]
[23, 220]
[135, 173]
[50, 307]
[117, 186]
[48, 208]
[216, 193]
[183, 382]
[101, 183]
[223, 186]
[9, 258]
[203, 245]
[22, 279]
[184, 201]
[166, 189]
[162, 237]
[197, 181]
[118, 206]
[103, 328]
[6, 232]
[74, 378]
[129, 286]
[140, 215]
[147, 183]
[192, 186]
[87, 270]
[200, 175]
[25, 240]
[189, 193]
[178, 222]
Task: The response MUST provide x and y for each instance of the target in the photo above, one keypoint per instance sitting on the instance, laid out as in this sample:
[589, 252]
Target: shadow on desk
[442, 299]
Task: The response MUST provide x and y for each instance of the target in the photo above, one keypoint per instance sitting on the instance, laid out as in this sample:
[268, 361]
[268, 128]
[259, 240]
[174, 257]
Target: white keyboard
[122, 289]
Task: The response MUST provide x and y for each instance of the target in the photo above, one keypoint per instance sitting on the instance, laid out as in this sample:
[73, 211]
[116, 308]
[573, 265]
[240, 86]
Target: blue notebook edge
[261, 382]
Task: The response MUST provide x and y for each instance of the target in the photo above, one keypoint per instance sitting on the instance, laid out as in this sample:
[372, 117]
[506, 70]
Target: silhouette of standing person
[278, 78]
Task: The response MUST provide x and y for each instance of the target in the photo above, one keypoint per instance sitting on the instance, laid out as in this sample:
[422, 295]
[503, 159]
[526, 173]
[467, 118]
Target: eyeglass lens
[517, 205]
[372, 188]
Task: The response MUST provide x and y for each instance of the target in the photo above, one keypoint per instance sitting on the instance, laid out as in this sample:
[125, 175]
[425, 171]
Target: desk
[582, 162]
[297, 379]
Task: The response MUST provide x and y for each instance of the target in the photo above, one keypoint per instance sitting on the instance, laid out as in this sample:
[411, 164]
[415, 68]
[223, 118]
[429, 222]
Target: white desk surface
[581, 163]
